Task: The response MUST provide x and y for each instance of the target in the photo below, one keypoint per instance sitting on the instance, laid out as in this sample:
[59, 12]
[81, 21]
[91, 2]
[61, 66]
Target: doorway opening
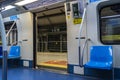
[51, 39]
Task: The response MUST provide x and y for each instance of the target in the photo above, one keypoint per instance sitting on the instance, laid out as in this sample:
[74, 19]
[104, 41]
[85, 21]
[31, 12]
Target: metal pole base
[4, 65]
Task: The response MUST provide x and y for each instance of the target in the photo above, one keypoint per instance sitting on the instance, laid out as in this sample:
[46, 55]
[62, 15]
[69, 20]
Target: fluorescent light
[24, 2]
[8, 7]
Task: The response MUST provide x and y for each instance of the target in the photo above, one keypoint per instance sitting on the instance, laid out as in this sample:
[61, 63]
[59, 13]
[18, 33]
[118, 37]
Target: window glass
[110, 24]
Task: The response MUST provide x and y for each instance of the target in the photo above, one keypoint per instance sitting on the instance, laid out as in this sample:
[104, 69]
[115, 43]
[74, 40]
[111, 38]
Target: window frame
[100, 25]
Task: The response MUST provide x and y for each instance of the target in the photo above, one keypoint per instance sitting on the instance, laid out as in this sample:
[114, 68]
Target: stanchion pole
[4, 46]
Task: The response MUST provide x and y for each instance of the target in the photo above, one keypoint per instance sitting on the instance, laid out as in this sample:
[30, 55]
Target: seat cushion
[13, 57]
[99, 65]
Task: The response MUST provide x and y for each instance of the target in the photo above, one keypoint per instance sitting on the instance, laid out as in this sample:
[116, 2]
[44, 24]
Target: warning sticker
[68, 17]
[77, 20]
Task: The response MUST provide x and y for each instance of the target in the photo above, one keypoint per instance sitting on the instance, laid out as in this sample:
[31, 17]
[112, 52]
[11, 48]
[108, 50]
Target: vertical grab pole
[4, 45]
[80, 31]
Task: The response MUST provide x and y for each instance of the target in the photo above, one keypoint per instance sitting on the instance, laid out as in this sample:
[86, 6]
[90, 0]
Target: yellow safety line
[53, 65]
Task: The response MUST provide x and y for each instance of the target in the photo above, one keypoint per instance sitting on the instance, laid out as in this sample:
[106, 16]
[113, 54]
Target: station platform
[37, 74]
[55, 63]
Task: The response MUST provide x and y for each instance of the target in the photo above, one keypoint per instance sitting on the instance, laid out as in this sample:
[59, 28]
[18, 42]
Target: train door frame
[34, 40]
[35, 34]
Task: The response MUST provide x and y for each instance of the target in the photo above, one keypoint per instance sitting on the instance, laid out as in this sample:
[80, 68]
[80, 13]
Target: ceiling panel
[51, 17]
[53, 11]
[7, 2]
[52, 20]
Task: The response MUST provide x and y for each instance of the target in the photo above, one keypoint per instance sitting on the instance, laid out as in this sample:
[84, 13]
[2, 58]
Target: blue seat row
[93, 0]
[100, 57]
[14, 52]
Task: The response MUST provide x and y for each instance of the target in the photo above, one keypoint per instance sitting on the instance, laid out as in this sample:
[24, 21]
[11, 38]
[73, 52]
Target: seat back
[101, 54]
[15, 50]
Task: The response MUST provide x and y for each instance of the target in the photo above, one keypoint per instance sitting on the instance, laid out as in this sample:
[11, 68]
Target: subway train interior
[59, 39]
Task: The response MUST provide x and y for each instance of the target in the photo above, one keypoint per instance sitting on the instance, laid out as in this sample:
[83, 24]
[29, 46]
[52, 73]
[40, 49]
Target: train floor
[41, 74]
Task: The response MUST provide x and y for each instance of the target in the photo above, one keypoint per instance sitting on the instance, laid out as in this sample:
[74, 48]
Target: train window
[110, 24]
[12, 37]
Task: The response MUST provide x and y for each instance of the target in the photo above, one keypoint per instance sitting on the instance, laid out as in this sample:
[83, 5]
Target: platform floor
[52, 59]
[33, 74]
[55, 64]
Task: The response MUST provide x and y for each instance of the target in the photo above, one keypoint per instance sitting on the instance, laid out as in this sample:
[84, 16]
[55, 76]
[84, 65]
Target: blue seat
[93, 0]
[14, 52]
[100, 57]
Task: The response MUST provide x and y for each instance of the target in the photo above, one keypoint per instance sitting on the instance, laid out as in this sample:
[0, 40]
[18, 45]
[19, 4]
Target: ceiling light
[8, 7]
[24, 2]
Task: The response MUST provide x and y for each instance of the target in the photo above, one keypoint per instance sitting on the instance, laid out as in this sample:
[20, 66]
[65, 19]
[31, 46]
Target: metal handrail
[81, 26]
[10, 29]
[4, 45]
[80, 31]
[82, 52]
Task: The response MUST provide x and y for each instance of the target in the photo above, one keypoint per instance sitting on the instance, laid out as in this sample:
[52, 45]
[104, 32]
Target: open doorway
[51, 39]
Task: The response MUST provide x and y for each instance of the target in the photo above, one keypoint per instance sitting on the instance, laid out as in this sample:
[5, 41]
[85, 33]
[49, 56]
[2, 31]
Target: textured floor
[32, 74]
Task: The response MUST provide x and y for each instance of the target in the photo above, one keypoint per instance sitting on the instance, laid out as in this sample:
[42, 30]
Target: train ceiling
[49, 12]
[7, 2]
[37, 5]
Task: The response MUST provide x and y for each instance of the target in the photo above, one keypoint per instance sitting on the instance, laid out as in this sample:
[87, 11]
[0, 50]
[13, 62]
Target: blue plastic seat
[14, 52]
[93, 0]
[100, 57]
